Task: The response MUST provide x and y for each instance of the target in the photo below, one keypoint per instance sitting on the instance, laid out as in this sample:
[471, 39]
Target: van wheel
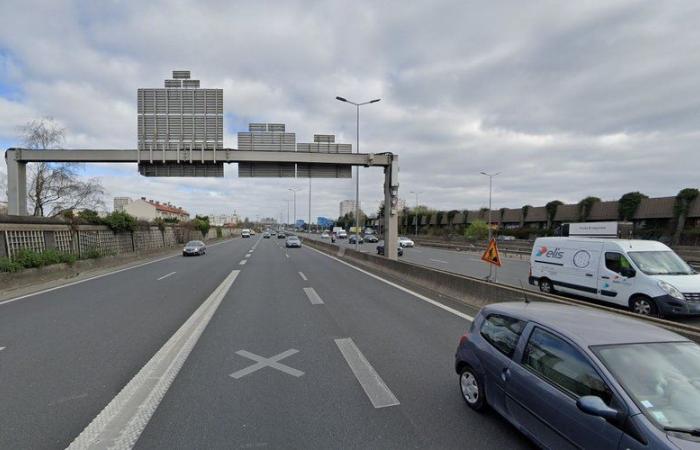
[644, 306]
[546, 286]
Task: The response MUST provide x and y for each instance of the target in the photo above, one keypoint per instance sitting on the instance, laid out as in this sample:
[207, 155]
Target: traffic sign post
[492, 256]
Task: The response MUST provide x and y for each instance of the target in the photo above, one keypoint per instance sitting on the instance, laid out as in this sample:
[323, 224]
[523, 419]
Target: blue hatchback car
[572, 377]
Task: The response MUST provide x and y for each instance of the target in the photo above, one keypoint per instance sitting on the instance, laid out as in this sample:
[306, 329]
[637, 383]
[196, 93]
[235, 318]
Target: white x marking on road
[267, 362]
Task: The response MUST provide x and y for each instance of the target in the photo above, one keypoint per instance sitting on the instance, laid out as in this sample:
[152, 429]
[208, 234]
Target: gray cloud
[567, 99]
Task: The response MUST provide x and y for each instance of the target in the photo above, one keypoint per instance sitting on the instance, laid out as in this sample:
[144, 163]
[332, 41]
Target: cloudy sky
[566, 99]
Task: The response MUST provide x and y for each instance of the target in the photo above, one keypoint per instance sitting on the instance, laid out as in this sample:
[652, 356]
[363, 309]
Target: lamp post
[357, 168]
[416, 211]
[309, 226]
[294, 190]
[490, 175]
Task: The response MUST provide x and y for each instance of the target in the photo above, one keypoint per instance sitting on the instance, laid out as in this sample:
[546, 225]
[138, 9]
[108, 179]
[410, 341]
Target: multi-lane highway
[249, 346]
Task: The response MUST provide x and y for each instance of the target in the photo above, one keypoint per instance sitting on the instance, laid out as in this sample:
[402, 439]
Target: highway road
[513, 272]
[249, 346]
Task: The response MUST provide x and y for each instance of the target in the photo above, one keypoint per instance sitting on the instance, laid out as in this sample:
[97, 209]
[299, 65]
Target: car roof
[585, 326]
[630, 245]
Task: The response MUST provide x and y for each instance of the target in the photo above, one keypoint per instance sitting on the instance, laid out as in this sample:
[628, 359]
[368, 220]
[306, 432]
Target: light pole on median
[294, 225]
[415, 213]
[357, 168]
[490, 175]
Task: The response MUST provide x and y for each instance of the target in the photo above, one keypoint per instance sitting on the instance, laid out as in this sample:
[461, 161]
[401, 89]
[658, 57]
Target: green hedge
[26, 259]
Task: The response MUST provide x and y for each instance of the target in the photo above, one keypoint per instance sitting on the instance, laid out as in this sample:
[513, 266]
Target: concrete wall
[85, 240]
[141, 210]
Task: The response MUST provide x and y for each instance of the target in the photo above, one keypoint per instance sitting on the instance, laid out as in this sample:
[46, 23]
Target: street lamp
[357, 168]
[490, 175]
[415, 213]
[295, 206]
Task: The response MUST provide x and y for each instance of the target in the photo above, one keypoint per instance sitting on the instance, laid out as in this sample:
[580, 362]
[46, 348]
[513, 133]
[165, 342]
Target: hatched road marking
[122, 421]
[378, 392]
[267, 362]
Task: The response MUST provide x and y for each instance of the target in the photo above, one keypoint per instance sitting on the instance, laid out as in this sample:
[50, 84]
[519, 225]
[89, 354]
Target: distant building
[3, 208]
[146, 209]
[219, 220]
[347, 206]
[120, 203]
[324, 222]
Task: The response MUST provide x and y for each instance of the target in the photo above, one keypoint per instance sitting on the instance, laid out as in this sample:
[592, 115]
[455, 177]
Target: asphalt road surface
[249, 346]
[514, 270]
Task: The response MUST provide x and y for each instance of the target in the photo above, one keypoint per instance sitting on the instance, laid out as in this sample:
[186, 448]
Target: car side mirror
[628, 272]
[594, 405]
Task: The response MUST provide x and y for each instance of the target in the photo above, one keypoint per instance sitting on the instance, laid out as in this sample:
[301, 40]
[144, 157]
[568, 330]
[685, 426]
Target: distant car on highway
[245, 233]
[352, 239]
[571, 377]
[371, 238]
[504, 237]
[273, 232]
[193, 248]
[266, 235]
[293, 241]
[406, 242]
[380, 249]
[281, 235]
[252, 232]
[342, 234]
[645, 276]
[325, 235]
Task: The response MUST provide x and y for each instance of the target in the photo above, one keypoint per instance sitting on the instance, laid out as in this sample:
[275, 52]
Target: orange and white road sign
[491, 254]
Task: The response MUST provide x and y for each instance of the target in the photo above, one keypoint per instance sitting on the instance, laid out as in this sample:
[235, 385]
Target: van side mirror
[628, 272]
[594, 405]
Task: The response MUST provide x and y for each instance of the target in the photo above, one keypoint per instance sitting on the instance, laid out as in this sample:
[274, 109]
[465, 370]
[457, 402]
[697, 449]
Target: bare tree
[53, 187]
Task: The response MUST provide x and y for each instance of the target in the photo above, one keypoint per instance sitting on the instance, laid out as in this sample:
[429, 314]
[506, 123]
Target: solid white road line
[242, 263]
[166, 276]
[313, 296]
[121, 422]
[439, 260]
[408, 291]
[378, 392]
[303, 277]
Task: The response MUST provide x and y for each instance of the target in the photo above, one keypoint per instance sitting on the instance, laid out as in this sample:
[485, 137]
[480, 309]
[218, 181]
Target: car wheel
[471, 389]
[546, 286]
[643, 305]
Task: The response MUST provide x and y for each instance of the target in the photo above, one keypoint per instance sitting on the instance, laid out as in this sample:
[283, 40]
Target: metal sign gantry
[17, 159]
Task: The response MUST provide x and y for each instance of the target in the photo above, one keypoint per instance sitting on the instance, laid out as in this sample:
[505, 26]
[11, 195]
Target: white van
[645, 276]
[245, 233]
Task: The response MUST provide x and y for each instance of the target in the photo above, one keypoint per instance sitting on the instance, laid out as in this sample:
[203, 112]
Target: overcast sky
[566, 99]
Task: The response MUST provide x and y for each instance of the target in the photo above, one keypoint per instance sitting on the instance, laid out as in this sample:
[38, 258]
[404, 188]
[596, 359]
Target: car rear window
[502, 332]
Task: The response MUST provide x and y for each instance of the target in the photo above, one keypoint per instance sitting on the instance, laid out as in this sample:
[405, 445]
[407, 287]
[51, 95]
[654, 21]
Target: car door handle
[605, 278]
[505, 374]
[589, 274]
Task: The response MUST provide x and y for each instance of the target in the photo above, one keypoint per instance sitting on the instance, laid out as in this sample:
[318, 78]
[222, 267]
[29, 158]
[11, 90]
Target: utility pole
[309, 226]
[490, 175]
[294, 190]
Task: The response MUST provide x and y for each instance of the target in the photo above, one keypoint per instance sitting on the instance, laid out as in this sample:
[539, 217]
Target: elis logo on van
[544, 251]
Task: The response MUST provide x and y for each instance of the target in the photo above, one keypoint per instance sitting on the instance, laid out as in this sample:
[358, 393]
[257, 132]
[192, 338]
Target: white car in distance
[406, 242]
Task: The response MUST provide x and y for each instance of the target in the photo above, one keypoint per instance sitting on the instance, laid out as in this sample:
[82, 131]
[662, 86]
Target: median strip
[122, 421]
[378, 392]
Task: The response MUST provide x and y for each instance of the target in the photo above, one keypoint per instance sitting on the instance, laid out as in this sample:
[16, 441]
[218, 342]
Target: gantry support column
[16, 184]
[391, 221]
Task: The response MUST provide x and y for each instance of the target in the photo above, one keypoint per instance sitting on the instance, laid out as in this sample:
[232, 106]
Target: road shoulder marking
[314, 298]
[166, 276]
[401, 288]
[122, 421]
[378, 392]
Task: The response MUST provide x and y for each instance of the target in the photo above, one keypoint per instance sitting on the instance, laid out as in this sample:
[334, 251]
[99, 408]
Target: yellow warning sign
[491, 254]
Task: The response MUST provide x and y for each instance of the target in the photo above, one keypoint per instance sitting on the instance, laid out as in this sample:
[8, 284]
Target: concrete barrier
[472, 291]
